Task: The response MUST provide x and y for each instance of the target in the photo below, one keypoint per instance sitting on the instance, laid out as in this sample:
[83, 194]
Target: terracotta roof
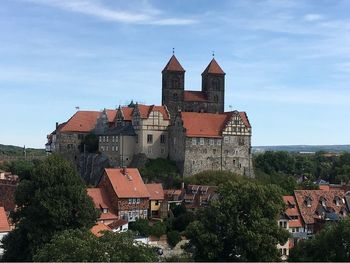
[81, 121]
[145, 111]
[308, 213]
[292, 210]
[117, 223]
[98, 228]
[127, 113]
[4, 223]
[111, 115]
[213, 68]
[100, 199]
[156, 191]
[127, 186]
[245, 119]
[173, 65]
[190, 95]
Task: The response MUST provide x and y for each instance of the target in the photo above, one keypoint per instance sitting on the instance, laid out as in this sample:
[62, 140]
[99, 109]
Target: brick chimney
[124, 170]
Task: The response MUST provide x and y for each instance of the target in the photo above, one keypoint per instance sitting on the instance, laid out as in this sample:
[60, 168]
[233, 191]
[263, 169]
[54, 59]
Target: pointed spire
[213, 68]
[173, 65]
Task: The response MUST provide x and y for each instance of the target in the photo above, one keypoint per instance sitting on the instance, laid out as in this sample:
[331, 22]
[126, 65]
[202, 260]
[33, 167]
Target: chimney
[56, 125]
[124, 170]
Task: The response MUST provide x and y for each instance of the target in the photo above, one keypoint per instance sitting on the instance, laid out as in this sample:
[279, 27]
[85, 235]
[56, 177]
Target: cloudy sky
[287, 63]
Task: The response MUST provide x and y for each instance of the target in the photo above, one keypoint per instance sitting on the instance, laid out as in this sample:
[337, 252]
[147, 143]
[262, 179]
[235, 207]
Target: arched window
[175, 97]
[216, 98]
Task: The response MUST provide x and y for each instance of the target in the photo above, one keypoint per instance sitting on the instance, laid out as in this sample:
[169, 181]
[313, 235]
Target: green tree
[158, 229]
[82, 245]
[52, 200]
[331, 244]
[213, 178]
[240, 226]
[173, 238]
[141, 226]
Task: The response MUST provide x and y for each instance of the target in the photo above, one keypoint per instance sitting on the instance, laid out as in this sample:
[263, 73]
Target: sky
[287, 62]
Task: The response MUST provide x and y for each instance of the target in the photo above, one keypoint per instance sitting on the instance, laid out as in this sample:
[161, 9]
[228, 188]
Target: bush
[141, 226]
[158, 229]
[173, 238]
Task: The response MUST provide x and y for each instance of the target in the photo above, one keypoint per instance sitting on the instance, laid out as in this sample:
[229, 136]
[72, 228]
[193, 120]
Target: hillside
[303, 148]
[15, 151]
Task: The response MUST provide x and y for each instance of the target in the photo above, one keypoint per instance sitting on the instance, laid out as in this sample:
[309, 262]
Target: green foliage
[173, 238]
[158, 229]
[182, 218]
[240, 225]
[10, 150]
[79, 245]
[52, 200]
[141, 226]
[22, 168]
[90, 142]
[331, 244]
[162, 170]
[213, 178]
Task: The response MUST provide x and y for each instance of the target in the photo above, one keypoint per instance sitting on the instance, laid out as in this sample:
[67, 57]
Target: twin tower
[210, 99]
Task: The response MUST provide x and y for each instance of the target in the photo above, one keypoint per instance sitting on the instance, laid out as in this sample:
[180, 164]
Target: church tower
[173, 85]
[213, 84]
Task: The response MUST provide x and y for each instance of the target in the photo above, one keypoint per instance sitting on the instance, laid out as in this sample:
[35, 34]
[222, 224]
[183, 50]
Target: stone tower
[213, 85]
[173, 85]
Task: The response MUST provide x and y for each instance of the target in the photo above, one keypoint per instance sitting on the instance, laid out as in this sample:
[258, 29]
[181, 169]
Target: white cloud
[148, 15]
[313, 17]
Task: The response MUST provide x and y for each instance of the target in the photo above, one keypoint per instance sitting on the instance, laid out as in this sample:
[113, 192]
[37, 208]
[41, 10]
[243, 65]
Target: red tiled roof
[98, 228]
[290, 201]
[99, 197]
[190, 95]
[117, 223]
[213, 68]
[173, 65]
[127, 186]
[81, 121]
[127, 113]
[156, 191]
[308, 213]
[111, 115]
[4, 223]
[145, 111]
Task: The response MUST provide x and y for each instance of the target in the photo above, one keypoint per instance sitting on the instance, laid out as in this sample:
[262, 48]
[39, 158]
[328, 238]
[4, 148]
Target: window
[157, 202]
[130, 201]
[112, 148]
[211, 142]
[201, 141]
[100, 138]
[107, 148]
[116, 138]
[162, 138]
[134, 200]
[137, 200]
[241, 141]
[105, 210]
[218, 142]
[226, 139]
[194, 141]
[112, 138]
[214, 151]
[149, 138]
[106, 138]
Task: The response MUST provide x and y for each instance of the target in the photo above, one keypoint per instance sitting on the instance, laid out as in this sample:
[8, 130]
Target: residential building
[283, 222]
[119, 226]
[197, 196]
[4, 227]
[158, 208]
[127, 193]
[99, 228]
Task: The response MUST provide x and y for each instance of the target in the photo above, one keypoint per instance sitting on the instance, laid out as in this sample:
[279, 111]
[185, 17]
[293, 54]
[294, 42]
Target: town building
[158, 208]
[4, 227]
[127, 193]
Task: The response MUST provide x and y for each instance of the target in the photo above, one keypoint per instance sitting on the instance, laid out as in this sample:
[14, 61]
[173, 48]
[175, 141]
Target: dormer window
[322, 201]
[337, 200]
[104, 210]
[308, 201]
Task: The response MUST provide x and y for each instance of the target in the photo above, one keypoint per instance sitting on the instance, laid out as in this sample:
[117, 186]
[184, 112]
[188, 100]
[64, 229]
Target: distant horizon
[287, 63]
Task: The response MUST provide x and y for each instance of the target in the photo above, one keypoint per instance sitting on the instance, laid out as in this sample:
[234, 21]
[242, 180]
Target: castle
[190, 127]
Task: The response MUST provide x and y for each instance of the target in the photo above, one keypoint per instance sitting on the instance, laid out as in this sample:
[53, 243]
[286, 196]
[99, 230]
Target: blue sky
[287, 63]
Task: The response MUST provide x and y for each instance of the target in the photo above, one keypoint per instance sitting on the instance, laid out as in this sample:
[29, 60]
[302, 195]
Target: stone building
[210, 99]
[211, 141]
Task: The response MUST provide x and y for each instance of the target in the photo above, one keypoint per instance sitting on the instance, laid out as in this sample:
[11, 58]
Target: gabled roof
[208, 125]
[111, 115]
[128, 185]
[213, 68]
[292, 210]
[117, 223]
[190, 95]
[309, 213]
[173, 65]
[145, 111]
[81, 121]
[127, 113]
[4, 223]
[156, 191]
[98, 228]
[101, 200]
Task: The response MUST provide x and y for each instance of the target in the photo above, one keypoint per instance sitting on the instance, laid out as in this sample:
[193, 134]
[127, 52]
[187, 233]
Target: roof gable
[4, 223]
[213, 68]
[128, 184]
[173, 65]
[156, 191]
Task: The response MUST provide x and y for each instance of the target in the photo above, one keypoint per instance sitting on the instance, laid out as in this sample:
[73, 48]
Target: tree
[331, 244]
[141, 227]
[158, 229]
[52, 200]
[213, 178]
[240, 226]
[82, 245]
[173, 238]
